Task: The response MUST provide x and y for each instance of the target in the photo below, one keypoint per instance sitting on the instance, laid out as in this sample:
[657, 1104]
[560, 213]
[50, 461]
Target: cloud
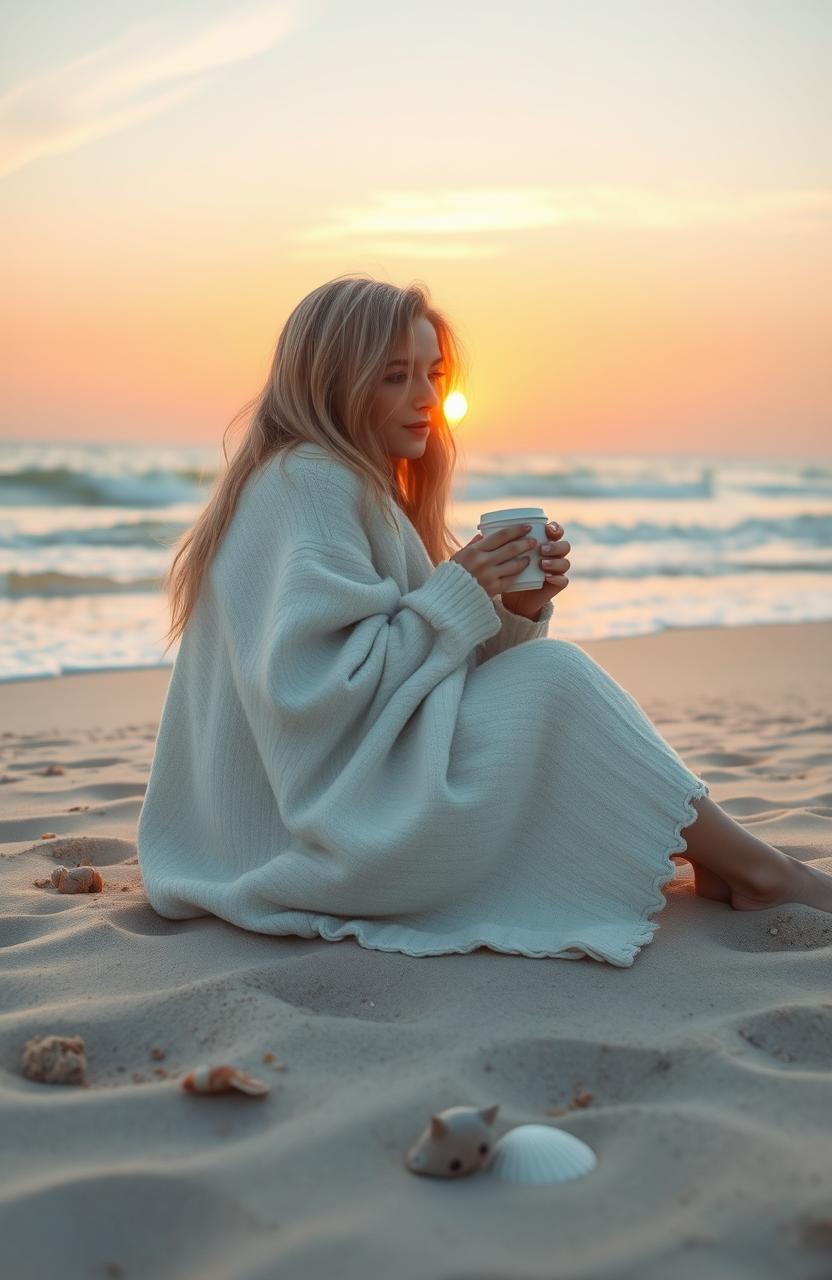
[150, 69]
[441, 224]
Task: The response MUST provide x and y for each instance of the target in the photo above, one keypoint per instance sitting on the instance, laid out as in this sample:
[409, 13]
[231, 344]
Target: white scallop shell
[540, 1153]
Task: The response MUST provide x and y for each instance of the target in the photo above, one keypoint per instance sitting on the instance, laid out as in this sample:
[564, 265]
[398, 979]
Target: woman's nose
[433, 396]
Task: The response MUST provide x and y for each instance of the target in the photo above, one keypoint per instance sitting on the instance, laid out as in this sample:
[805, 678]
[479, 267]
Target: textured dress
[355, 742]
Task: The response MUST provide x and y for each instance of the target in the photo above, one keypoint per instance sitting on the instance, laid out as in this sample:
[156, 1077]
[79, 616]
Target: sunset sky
[624, 208]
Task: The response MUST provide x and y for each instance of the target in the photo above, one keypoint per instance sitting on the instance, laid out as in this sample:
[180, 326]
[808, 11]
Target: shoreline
[584, 641]
[678, 663]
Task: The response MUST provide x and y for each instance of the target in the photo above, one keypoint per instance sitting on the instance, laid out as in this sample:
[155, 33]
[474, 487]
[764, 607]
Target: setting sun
[455, 407]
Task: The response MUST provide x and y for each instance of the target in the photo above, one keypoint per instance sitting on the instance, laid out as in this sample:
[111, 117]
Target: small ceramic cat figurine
[456, 1142]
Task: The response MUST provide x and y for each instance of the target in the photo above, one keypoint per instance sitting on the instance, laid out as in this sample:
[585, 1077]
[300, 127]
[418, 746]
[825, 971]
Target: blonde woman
[366, 733]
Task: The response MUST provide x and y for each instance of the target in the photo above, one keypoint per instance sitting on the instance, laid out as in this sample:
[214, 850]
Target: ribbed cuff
[516, 629]
[455, 604]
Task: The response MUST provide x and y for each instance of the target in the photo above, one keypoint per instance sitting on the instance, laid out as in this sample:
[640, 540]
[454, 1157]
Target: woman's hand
[494, 560]
[554, 564]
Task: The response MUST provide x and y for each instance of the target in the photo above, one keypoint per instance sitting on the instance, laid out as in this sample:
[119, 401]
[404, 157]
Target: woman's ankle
[767, 876]
[733, 853]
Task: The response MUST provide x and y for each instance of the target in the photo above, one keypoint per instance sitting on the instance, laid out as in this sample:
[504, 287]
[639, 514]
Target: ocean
[87, 533]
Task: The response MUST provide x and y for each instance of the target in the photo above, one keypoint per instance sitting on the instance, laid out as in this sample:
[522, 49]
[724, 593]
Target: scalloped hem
[601, 941]
[647, 928]
[370, 934]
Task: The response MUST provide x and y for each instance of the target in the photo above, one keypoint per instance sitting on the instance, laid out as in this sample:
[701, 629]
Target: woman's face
[397, 402]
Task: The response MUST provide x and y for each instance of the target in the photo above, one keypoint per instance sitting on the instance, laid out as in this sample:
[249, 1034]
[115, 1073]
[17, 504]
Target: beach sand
[701, 1076]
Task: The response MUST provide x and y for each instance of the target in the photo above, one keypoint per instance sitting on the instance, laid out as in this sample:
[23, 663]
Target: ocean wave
[138, 533]
[65, 486]
[158, 485]
[583, 482]
[812, 528]
[55, 583]
[798, 490]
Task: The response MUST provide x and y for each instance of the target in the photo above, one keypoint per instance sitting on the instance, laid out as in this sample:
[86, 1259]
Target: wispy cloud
[441, 224]
[151, 68]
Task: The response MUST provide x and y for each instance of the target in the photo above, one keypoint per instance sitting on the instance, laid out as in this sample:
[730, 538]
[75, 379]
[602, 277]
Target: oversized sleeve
[514, 630]
[333, 661]
[346, 647]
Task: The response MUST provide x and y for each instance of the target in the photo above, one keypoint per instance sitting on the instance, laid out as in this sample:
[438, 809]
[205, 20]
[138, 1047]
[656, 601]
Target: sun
[455, 407]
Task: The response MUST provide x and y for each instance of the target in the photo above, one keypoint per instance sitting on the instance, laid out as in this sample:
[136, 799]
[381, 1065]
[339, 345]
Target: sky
[623, 207]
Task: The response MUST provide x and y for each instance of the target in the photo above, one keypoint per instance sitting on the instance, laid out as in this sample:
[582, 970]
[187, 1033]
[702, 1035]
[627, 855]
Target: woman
[366, 732]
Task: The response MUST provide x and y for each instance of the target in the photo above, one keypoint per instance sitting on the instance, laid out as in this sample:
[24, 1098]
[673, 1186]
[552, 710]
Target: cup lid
[506, 515]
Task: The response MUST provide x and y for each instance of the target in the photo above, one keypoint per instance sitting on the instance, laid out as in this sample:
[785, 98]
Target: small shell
[205, 1079]
[77, 880]
[55, 1059]
[540, 1153]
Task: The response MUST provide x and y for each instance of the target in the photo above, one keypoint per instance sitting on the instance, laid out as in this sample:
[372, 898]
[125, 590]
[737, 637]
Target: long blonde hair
[329, 360]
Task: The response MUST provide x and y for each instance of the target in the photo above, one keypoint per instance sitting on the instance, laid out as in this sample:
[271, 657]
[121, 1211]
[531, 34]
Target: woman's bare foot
[808, 886]
[733, 865]
[797, 883]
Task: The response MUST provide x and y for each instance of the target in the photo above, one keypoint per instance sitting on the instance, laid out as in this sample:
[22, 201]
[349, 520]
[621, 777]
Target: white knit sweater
[357, 742]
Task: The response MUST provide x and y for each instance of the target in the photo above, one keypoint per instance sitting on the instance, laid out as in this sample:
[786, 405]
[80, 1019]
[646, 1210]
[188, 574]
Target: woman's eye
[395, 377]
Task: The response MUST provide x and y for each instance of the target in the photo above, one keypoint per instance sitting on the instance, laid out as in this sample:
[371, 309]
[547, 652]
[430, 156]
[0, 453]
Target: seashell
[77, 880]
[205, 1079]
[456, 1141]
[540, 1153]
[55, 1059]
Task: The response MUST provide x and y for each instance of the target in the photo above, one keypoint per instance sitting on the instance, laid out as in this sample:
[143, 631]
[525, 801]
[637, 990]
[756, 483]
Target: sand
[701, 1076]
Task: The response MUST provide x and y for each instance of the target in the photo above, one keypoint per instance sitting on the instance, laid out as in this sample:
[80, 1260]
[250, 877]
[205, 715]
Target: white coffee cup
[532, 577]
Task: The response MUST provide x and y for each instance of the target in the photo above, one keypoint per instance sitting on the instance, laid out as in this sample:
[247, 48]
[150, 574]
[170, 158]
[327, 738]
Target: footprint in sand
[820, 726]
[792, 1033]
[784, 928]
[745, 806]
[101, 851]
[54, 768]
[728, 759]
[567, 1073]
